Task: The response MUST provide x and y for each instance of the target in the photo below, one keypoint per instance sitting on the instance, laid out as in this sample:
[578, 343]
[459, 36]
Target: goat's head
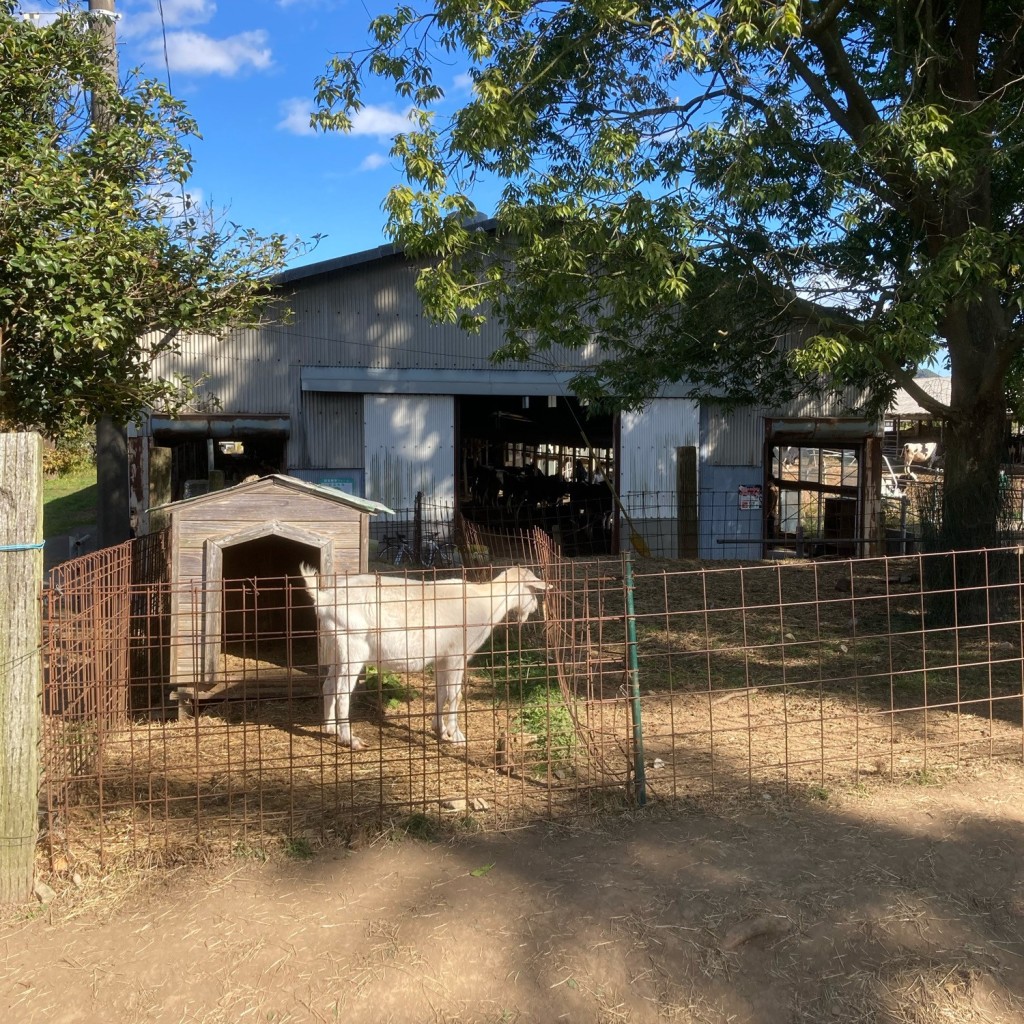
[523, 589]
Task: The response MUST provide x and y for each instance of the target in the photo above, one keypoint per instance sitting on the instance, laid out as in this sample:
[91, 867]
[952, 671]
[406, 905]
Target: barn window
[813, 502]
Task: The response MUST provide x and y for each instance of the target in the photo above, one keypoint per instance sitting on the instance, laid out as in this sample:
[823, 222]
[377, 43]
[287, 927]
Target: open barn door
[538, 460]
[818, 488]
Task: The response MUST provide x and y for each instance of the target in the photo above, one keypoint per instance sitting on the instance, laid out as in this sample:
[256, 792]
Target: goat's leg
[448, 674]
[454, 733]
[338, 688]
[440, 694]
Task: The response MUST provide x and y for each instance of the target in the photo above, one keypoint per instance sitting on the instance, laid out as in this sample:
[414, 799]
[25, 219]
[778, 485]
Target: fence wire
[161, 741]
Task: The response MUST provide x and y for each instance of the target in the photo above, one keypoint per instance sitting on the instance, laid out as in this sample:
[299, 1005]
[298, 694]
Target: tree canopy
[104, 259]
[683, 182]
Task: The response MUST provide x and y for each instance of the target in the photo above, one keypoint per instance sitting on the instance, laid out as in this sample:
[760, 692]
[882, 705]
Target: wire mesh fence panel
[253, 743]
[806, 673]
[492, 701]
[86, 651]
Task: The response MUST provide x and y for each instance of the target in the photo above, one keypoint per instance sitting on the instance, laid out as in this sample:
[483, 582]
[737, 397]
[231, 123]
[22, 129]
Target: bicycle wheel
[403, 556]
[448, 554]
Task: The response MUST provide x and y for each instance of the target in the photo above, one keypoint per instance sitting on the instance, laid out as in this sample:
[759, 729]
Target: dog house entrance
[259, 622]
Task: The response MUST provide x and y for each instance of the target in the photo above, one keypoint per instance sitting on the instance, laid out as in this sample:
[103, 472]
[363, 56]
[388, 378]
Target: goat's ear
[540, 586]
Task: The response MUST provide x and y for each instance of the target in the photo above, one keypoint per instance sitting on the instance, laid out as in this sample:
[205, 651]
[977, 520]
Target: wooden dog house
[234, 558]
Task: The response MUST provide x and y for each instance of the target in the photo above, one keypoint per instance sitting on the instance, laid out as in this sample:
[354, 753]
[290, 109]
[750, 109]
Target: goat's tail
[311, 578]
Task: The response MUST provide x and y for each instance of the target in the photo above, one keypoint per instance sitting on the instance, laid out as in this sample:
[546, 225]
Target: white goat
[407, 625]
[921, 452]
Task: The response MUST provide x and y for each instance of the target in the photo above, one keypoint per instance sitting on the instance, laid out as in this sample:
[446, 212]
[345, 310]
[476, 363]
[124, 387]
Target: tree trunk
[972, 497]
[967, 510]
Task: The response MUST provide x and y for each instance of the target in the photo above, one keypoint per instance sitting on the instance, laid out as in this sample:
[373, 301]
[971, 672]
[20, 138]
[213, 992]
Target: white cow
[922, 453]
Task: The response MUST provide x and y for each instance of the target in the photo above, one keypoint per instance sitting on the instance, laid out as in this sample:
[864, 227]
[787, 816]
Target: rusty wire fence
[635, 680]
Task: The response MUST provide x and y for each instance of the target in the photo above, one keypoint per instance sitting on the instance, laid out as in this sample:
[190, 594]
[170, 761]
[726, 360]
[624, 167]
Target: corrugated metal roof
[906, 405]
[355, 259]
[291, 482]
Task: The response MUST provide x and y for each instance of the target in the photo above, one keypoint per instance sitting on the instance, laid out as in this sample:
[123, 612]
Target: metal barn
[359, 391]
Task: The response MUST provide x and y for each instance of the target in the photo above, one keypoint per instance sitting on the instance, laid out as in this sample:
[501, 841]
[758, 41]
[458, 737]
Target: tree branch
[1006, 68]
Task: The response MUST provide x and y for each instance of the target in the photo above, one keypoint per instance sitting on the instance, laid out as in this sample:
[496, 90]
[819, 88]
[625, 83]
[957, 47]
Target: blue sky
[246, 69]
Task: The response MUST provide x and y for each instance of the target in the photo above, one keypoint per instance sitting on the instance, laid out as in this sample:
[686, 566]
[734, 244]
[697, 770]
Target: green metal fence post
[633, 666]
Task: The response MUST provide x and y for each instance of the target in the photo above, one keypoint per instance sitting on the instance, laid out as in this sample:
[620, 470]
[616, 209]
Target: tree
[681, 183]
[104, 259]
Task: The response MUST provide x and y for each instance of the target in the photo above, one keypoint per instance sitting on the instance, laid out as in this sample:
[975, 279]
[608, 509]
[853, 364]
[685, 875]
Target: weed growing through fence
[393, 690]
[523, 679]
[419, 826]
[298, 848]
[245, 851]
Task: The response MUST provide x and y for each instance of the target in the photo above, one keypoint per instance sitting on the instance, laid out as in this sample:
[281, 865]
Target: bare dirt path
[885, 904]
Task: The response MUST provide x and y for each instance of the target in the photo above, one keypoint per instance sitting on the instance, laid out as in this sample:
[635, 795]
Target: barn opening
[197, 454]
[814, 495]
[538, 460]
[268, 619]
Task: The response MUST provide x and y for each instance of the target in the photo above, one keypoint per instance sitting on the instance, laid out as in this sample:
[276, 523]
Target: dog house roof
[281, 480]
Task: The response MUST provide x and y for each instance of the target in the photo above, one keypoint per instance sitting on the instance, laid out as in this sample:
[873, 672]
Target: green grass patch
[528, 686]
[69, 501]
[393, 690]
[298, 849]
[420, 826]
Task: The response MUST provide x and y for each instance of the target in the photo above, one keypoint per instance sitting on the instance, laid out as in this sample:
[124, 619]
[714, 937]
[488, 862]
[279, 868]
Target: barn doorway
[814, 503]
[547, 461]
[195, 454]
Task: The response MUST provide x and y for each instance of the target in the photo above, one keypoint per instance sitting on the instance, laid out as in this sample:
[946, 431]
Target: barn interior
[193, 463]
[194, 454]
[547, 461]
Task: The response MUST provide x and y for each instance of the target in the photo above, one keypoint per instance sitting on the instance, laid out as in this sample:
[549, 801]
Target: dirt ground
[876, 903]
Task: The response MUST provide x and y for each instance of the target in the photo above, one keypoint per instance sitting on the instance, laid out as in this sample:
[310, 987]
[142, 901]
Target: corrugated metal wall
[648, 442]
[410, 447]
[735, 437]
[370, 315]
[332, 430]
[247, 371]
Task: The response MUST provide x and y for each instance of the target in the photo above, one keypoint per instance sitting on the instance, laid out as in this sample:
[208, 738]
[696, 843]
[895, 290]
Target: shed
[907, 420]
[234, 558]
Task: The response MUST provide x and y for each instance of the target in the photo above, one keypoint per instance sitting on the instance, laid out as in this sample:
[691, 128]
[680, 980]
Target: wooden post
[21, 574]
[113, 520]
[686, 501]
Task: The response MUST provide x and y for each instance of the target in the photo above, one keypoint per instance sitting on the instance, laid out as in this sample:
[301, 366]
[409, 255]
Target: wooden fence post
[686, 502]
[21, 573]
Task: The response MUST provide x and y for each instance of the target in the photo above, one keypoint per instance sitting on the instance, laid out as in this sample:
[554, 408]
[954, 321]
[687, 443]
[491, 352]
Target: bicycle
[434, 555]
[394, 549]
[398, 551]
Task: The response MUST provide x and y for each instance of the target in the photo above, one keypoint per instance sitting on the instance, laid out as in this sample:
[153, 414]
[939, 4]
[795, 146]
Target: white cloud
[380, 121]
[296, 117]
[200, 54]
[463, 82]
[373, 161]
[145, 18]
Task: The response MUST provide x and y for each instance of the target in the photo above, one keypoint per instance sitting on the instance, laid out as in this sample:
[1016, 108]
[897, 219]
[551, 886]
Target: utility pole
[112, 512]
